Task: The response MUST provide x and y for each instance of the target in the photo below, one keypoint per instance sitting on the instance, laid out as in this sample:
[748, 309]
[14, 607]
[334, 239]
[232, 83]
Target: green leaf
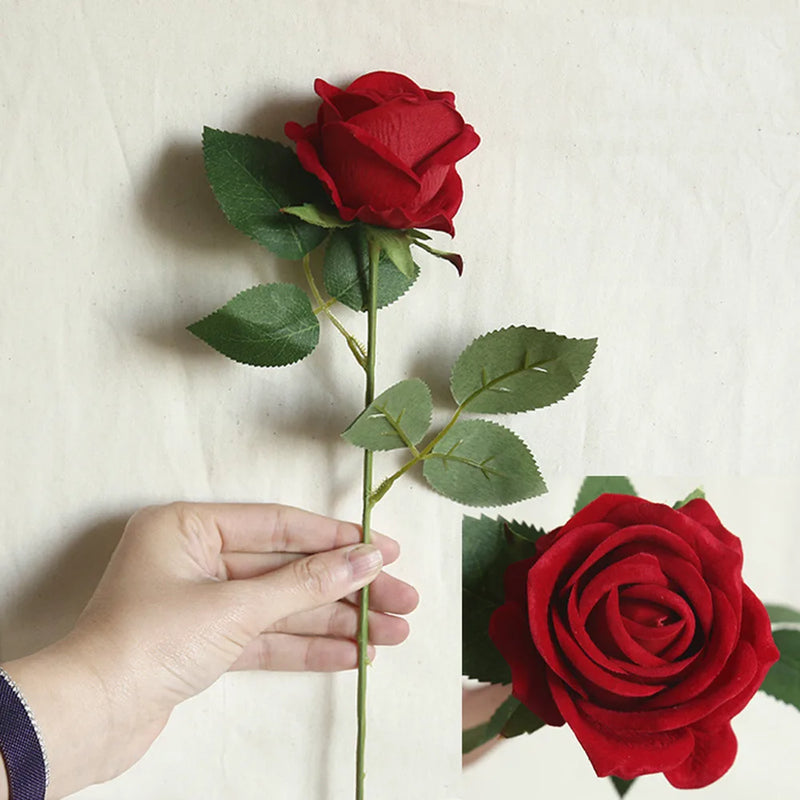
[266, 326]
[399, 417]
[783, 679]
[480, 659]
[697, 494]
[253, 179]
[488, 547]
[346, 274]
[523, 720]
[595, 485]
[782, 614]
[481, 463]
[473, 738]
[621, 785]
[522, 532]
[519, 369]
[396, 246]
[314, 215]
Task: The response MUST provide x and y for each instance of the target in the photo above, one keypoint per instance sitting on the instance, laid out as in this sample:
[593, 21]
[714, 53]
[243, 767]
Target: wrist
[71, 709]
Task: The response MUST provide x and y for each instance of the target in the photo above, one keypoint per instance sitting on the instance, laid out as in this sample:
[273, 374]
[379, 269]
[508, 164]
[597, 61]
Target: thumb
[310, 582]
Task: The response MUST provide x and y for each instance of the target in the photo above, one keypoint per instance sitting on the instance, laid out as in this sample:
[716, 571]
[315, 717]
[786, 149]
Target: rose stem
[363, 620]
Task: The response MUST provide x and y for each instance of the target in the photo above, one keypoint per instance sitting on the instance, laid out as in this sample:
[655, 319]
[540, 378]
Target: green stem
[326, 304]
[363, 616]
[356, 348]
[417, 456]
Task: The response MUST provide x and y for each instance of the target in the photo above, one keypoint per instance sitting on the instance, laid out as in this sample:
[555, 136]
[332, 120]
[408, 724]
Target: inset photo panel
[632, 636]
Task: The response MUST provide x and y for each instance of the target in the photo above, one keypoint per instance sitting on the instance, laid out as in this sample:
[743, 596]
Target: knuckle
[340, 621]
[308, 655]
[315, 577]
[281, 625]
[264, 653]
[281, 526]
[187, 515]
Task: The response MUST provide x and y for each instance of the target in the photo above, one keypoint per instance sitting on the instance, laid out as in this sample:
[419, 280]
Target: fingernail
[364, 560]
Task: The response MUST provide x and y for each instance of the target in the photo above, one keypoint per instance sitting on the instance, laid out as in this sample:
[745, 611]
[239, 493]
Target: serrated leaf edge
[492, 505]
[515, 521]
[383, 413]
[541, 330]
[207, 128]
[238, 360]
[363, 309]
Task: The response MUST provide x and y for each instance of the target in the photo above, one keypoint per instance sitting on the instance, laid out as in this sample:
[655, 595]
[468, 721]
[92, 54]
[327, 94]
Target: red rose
[632, 624]
[386, 151]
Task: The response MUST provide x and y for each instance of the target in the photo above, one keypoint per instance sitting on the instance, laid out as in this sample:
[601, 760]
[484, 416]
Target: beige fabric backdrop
[638, 180]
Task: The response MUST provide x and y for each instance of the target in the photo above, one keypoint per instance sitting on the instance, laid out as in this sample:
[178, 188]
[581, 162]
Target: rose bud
[386, 150]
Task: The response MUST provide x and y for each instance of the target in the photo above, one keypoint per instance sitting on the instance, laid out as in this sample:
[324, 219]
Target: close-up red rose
[632, 624]
[386, 150]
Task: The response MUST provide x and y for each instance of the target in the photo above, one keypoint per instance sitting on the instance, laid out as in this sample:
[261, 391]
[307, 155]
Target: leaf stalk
[356, 348]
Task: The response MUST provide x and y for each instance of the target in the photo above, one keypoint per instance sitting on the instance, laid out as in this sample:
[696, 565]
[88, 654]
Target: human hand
[192, 591]
[478, 704]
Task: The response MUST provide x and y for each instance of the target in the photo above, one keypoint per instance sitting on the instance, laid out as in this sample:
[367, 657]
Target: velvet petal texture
[385, 150]
[633, 625]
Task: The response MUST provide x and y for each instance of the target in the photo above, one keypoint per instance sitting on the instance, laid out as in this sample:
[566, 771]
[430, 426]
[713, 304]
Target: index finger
[271, 527]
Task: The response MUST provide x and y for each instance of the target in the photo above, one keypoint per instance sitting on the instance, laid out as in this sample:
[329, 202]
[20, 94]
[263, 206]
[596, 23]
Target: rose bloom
[386, 151]
[633, 626]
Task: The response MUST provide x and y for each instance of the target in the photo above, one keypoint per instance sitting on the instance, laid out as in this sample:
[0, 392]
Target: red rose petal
[594, 645]
[700, 511]
[583, 669]
[636, 538]
[364, 172]
[650, 595]
[508, 629]
[307, 155]
[411, 130]
[624, 754]
[713, 657]
[712, 756]
[657, 639]
[642, 512]
[441, 208]
[596, 511]
[515, 582]
[633, 650]
[687, 579]
[660, 714]
[445, 97]
[338, 105]
[386, 85]
[548, 570]
[296, 132]
[659, 673]
[721, 558]
[639, 568]
[451, 151]
[431, 183]
[757, 633]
